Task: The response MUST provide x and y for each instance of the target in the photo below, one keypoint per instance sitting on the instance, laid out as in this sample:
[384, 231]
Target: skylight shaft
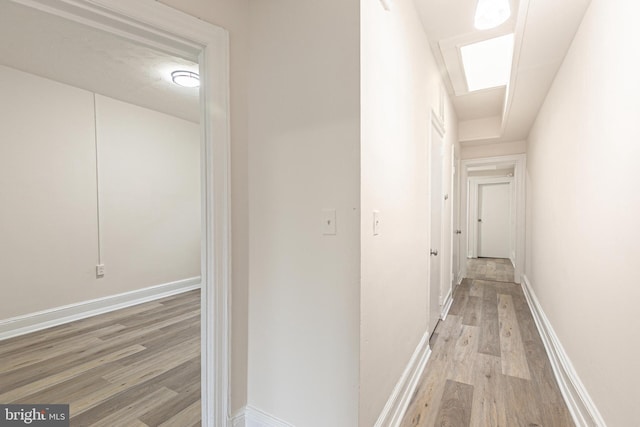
[487, 64]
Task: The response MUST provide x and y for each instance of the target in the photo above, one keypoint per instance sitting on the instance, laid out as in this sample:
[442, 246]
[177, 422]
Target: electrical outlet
[100, 270]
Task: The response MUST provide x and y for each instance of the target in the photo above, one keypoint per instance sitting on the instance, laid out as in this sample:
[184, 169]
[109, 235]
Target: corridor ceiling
[544, 30]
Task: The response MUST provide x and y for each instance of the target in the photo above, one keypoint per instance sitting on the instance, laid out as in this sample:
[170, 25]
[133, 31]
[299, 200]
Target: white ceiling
[543, 31]
[56, 48]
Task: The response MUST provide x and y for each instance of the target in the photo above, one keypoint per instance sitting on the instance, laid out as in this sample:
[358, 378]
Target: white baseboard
[33, 322]
[253, 417]
[447, 305]
[396, 406]
[583, 410]
[239, 419]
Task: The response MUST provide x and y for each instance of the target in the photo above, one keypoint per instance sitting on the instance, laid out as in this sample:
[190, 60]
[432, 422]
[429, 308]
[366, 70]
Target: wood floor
[495, 269]
[489, 367]
[139, 366]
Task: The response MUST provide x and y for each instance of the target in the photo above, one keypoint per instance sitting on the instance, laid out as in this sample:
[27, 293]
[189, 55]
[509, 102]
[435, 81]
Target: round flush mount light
[185, 78]
[491, 13]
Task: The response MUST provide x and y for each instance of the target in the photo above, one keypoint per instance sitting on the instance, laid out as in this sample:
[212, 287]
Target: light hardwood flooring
[494, 269]
[489, 367]
[139, 366]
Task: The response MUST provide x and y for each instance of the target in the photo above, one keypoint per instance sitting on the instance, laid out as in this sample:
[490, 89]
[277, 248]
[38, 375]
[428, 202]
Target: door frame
[163, 28]
[436, 124]
[519, 163]
[472, 225]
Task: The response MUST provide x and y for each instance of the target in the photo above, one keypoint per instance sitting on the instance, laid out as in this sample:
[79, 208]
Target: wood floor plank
[488, 407]
[187, 417]
[17, 393]
[455, 406]
[489, 340]
[514, 361]
[72, 389]
[130, 413]
[178, 410]
[464, 352]
[155, 364]
[473, 311]
[521, 409]
[460, 299]
[184, 380]
[476, 289]
[25, 359]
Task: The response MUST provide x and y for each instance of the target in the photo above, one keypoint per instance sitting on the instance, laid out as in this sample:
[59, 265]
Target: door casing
[519, 163]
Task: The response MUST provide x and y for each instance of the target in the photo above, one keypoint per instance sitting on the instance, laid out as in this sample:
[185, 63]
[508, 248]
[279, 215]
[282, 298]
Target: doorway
[167, 30]
[508, 170]
[435, 225]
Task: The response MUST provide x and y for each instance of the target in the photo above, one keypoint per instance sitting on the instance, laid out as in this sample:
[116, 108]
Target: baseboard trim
[447, 305]
[33, 322]
[239, 419]
[250, 416]
[583, 410]
[398, 402]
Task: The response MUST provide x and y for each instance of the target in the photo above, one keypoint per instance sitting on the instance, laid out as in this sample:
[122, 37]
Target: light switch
[376, 223]
[328, 222]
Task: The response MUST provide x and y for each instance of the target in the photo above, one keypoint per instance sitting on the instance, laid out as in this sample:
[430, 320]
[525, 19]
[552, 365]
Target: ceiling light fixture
[491, 13]
[185, 78]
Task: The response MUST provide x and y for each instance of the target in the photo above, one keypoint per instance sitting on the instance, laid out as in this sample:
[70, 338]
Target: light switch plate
[328, 222]
[376, 223]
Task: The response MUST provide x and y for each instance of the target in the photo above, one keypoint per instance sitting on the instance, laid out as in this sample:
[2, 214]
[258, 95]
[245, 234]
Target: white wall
[304, 157]
[582, 223]
[149, 181]
[49, 210]
[493, 150]
[48, 194]
[400, 86]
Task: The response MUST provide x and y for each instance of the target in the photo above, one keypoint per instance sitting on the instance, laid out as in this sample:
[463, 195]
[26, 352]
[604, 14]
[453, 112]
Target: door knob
[433, 252]
[479, 220]
[458, 231]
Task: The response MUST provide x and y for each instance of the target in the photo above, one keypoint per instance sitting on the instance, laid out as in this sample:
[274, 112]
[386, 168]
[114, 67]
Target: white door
[435, 227]
[493, 220]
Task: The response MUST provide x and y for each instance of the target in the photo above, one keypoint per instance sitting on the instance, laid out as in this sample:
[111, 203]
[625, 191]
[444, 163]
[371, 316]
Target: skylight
[487, 63]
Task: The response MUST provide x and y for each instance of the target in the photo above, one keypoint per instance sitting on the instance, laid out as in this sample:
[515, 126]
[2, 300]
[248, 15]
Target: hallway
[488, 366]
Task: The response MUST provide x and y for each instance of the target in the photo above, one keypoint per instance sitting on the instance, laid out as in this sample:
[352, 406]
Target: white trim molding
[250, 416]
[583, 411]
[447, 305]
[40, 320]
[398, 401]
[239, 419]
